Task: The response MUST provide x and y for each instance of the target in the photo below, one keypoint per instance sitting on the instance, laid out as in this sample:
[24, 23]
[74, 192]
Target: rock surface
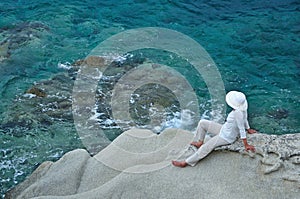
[137, 165]
[18, 35]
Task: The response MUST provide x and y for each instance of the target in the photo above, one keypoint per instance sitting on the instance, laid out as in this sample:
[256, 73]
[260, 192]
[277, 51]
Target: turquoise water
[254, 44]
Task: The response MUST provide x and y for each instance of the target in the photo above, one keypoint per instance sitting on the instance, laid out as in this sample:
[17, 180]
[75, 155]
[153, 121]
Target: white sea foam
[29, 95]
[117, 58]
[66, 65]
[95, 114]
[184, 120]
[108, 122]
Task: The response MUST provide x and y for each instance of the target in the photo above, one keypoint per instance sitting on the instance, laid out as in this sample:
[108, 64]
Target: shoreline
[256, 174]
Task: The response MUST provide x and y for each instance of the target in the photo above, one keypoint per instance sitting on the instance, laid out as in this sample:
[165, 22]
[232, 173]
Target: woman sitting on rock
[225, 134]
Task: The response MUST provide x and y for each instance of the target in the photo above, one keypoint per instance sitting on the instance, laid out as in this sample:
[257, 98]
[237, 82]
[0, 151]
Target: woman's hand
[250, 147]
[251, 131]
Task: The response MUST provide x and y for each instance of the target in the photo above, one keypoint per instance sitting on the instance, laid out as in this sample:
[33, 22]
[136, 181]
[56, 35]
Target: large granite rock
[138, 165]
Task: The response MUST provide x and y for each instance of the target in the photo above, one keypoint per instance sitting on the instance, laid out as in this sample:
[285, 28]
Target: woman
[234, 126]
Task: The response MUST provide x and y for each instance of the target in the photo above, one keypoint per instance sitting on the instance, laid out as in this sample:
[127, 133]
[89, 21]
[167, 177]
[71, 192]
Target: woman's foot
[179, 164]
[197, 144]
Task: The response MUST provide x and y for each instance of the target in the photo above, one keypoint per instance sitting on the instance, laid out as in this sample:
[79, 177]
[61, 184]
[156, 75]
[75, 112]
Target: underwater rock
[4, 54]
[143, 98]
[18, 35]
[270, 125]
[37, 92]
[92, 61]
[50, 101]
[40, 107]
[17, 126]
[279, 113]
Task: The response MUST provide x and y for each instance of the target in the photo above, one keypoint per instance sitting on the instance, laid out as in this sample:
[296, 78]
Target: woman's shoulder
[238, 113]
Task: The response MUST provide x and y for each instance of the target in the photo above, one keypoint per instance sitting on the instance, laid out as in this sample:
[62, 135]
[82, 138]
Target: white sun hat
[237, 100]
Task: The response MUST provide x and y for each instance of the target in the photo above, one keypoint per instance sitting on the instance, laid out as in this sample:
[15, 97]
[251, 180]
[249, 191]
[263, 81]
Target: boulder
[37, 92]
[137, 164]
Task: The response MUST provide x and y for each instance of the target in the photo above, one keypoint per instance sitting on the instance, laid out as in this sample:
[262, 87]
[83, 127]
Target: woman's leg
[203, 127]
[205, 149]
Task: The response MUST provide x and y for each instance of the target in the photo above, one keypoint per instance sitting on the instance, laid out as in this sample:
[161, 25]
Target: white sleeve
[246, 123]
[239, 118]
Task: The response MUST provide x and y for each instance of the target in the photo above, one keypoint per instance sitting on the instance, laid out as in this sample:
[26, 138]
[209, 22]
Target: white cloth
[227, 133]
[205, 126]
[205, 149]
[235, 126]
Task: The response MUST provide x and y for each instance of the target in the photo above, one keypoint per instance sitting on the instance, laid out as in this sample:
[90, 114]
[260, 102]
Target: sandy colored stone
[34, 177]
[92, 61]
[138, 165]
[62, 178]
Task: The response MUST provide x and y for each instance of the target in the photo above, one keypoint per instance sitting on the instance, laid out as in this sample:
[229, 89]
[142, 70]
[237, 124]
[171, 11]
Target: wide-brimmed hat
[237, 100]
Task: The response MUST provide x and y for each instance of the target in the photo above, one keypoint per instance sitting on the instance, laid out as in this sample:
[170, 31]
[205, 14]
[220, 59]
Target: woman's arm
[240, 120]
[248, 146]
[246, 123]
[251, 131]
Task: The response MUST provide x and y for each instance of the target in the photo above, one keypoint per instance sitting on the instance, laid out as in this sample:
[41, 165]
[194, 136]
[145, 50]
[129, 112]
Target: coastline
[228, 172]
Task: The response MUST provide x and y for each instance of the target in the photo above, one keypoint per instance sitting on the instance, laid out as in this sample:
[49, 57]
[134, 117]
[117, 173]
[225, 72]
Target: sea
[179, 58]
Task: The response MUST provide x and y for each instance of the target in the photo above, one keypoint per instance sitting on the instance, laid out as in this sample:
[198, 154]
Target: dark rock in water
[17, 125]
[19, 35]
[42, 106]
[279, 113]
[50, 101]
[111, 75]
[25, 26]
[4, 51]
[46, 120]
[144, 98]
[36, 91]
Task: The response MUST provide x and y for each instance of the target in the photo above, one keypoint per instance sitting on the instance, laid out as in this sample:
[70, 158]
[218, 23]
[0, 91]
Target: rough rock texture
[137, 165]
[18, 35]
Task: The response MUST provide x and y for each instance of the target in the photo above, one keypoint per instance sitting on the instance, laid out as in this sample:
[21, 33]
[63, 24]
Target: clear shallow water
[254, 44]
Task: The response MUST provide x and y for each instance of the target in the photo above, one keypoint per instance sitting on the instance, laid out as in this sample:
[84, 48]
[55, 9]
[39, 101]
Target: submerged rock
[37, 92]
[4, 51]
[138, 165]
[92, 61]
[279, 113]
[19, 35]
[22, 33]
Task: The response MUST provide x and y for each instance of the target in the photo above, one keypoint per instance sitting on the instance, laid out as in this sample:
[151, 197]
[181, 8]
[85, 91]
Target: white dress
[235, 126]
